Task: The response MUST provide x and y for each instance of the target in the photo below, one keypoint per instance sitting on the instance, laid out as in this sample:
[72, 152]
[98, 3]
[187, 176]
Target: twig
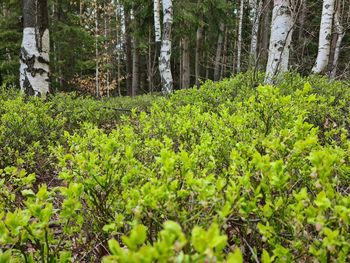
[251, 251]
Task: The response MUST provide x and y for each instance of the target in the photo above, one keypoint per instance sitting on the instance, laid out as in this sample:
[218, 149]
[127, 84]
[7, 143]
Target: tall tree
[186, 74]
[34, 59]
[239, 36]
[219, 46]
[165, 51]
[324, 44]
[280, 40]
[255, 13]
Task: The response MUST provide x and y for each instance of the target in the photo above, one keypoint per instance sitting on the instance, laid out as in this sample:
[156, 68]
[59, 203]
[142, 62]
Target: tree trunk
[325, 37]
[224, 56]
[157, 27]
[135, 67]
[265, 33]
[128, 49]
[149, 61]
[165, 51]
[280, 40]
[239, 37]
[218, 53]
[97, 69]
[339, 29]
[199, 38]
[185, 63]
[255, 13]
[119, 38]
[35, 48]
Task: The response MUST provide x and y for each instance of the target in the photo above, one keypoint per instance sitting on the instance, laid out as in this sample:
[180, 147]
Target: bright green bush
[222, 173]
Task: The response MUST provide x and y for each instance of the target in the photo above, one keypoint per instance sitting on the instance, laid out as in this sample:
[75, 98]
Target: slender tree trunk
[207, 57]
[239, 37]
[119, 32]
[199, 38]
[107, 48]
[325, 37]
[35, 48]
[180, 65]
[302, 19]
[224, 55]
[128, 49]
[165, 51]
[339, 29]
[256, 8]
[149, 61]
[265, 32]
[185, 63]
[218, 53]
[280, 40]
[97, 68]
[135, 68]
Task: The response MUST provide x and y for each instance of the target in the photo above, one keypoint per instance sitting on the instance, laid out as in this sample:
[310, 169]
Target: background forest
[109, 46]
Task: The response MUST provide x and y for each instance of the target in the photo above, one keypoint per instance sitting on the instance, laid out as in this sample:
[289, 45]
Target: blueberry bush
[229, 172]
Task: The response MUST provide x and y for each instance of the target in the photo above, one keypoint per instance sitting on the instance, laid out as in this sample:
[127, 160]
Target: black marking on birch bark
[43, 61]
[28, 89]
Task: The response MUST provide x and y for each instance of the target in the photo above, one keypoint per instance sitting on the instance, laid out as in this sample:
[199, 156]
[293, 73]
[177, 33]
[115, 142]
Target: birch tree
[34, 57]
[239, 36]
[165, 50]
[157, 27]
[325, 37]
[280, 40]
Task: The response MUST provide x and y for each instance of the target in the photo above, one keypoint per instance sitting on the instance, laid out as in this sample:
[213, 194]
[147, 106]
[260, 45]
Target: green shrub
[224, 173]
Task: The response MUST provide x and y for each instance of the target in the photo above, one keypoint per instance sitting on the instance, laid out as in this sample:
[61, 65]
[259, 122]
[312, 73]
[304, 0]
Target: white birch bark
[255, 13]
[239, 37]
[35, 48]
[325, 37]
[165, 51]
[280, 40]
[157, 27]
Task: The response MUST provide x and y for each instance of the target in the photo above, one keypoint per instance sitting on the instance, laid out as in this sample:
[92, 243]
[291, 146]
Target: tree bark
[325, 37]
[280, 40]
[157, 27]
[239, 36]
[339, 29]
[165, 51]
[185, 63]
[255, 13]
[135, 68]
[97, 68]
[35, 48]
[128, 52]
[199, 38]
[265, 30]
[218, 53]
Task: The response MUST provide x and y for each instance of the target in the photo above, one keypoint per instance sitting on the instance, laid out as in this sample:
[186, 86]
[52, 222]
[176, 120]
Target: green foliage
[224, 173]
[10, 41]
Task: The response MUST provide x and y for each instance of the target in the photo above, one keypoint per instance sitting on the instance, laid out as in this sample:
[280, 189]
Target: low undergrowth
[228, 172]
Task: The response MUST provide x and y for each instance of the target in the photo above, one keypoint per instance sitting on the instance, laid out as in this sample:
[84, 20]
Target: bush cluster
[229, 172]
